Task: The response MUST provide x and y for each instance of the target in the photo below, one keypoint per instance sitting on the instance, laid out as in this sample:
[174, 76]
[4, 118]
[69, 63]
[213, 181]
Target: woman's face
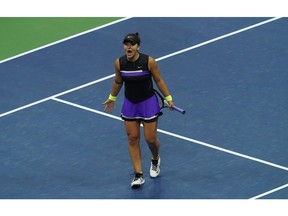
[131, 51]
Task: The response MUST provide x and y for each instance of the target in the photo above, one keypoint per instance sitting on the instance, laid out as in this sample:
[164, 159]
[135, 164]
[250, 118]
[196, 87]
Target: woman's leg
[150, 134]
[133, 133]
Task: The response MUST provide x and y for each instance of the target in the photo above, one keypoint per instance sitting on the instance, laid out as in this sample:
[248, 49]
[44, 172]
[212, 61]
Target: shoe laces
[138, 175]
[154, 164]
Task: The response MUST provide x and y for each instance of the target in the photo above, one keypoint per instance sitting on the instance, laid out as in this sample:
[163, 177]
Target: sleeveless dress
[140, 102]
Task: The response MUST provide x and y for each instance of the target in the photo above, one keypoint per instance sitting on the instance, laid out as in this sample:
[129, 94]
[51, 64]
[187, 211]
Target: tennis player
[140, 105]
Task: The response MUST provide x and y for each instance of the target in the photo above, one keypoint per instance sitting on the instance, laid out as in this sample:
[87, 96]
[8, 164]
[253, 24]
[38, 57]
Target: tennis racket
[164, 104]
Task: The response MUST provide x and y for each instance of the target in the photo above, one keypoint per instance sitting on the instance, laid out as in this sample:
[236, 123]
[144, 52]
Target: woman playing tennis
[137, 71]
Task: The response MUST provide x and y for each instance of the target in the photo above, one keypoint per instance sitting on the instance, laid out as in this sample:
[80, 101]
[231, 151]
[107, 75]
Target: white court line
[177, 136]
[218, 38]
[56, 95]
[269, 192]
[159, 59]
[65, 39]
[86, 108]
[190, 140]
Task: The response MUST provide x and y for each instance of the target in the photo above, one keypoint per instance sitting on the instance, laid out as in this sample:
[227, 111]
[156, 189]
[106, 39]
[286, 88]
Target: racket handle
[178, 109]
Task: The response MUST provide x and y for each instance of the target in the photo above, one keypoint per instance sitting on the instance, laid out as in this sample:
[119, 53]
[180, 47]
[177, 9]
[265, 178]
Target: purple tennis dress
[140, 101]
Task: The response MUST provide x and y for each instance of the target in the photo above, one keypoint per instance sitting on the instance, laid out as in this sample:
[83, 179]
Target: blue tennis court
[230, 75]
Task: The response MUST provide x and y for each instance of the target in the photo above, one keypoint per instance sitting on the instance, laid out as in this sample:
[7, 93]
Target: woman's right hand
[109, 105]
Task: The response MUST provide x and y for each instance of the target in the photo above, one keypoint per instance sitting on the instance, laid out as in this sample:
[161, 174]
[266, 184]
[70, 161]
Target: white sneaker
[138, 180]
[155, 168]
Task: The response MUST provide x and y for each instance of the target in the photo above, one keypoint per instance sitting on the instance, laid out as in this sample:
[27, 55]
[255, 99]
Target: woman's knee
[133, 138]
[152, 140]
[133, 132]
